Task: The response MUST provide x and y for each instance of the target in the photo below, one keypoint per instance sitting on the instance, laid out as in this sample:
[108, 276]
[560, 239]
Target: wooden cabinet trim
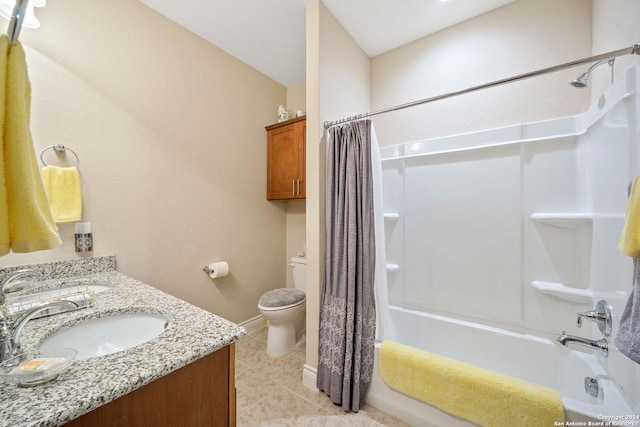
[285, 123]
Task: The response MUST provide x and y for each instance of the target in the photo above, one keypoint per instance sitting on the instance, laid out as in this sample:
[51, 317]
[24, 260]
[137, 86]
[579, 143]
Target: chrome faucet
[601, 315]
[8, 283]
[601, 345]
[10, 334]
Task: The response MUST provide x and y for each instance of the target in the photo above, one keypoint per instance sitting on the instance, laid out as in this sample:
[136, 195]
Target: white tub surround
[496, 239]
[192, 334]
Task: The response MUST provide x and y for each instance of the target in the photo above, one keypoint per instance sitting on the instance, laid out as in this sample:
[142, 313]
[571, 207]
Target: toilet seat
[285, 307]
[281, 299]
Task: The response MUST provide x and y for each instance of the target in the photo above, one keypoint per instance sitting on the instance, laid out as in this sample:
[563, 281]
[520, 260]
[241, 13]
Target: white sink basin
[107, 335]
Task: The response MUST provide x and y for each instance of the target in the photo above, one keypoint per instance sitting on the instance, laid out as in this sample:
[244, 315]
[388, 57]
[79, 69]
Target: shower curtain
[347, 307]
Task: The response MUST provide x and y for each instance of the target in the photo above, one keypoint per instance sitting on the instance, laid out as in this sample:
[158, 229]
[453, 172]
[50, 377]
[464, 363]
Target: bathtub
[531, 358]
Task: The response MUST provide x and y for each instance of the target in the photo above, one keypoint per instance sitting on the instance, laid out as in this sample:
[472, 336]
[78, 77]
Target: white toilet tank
[299, 270]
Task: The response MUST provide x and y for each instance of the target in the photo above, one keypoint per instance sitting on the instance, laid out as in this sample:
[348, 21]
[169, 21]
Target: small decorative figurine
[282, 114]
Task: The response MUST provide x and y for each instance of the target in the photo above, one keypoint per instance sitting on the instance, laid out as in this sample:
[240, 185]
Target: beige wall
[170, 134]
[296, 209]
[520, 37]
[296, 99]
[615, 26]
[315, 184]
[296, 233]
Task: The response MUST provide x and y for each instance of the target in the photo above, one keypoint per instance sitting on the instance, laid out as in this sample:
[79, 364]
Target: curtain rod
[635, 49]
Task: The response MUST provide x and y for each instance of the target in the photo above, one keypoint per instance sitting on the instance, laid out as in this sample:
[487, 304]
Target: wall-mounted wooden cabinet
[286, 142]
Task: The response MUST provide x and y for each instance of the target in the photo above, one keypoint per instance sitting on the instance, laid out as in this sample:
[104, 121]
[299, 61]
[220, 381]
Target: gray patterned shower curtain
[347, 306]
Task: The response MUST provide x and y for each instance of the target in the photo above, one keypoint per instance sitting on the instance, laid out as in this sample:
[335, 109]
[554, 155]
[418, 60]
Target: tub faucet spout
[601, 345]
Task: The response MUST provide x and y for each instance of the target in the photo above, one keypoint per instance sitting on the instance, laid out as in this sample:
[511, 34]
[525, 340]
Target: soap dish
[33, 368]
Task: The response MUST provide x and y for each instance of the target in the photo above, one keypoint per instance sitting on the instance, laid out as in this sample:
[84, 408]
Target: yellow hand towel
[63, 190]
[629, 243]
[484, 397]
[31, 226]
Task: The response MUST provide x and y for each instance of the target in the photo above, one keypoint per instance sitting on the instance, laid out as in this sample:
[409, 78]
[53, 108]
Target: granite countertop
[192, 333]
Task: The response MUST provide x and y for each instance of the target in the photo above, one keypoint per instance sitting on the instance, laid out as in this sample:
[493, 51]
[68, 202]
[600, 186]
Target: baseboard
[309, 376]
[254, 324]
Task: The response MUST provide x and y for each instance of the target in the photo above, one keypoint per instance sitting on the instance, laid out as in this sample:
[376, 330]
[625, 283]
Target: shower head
[582, 81]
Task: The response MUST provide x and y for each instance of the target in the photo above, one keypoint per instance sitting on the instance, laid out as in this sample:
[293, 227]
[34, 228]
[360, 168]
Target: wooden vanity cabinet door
[201, 394]
[286, 150]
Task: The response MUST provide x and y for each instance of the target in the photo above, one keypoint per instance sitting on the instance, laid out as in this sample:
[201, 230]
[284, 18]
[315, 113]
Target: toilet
[285, 308]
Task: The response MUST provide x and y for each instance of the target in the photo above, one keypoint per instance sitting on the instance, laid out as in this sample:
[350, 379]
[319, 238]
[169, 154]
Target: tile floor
[270, 393]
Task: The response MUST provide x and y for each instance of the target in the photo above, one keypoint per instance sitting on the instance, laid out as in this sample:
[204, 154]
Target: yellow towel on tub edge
[484, 397]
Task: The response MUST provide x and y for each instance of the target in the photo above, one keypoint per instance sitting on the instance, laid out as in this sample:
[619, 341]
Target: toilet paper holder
[217, 270]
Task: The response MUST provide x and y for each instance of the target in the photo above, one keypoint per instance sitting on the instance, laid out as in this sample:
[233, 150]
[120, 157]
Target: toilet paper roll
[218, 269]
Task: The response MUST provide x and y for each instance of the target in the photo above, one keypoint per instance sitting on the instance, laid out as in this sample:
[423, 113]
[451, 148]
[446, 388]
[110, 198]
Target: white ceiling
[269, 35]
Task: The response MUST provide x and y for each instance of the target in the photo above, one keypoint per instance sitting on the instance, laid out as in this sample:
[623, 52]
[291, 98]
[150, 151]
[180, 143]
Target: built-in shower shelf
[564, 220]
[581, 296]
[573, 220]
[391, 216]
[392, 267]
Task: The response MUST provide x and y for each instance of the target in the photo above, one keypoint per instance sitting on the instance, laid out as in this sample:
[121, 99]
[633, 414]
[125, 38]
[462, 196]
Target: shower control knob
[591, 315]
[601, 315]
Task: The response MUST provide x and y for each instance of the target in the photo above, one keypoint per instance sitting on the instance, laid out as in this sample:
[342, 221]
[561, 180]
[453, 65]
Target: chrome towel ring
[59, 148]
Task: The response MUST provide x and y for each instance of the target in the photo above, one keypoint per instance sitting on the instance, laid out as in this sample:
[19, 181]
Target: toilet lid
[281, 297]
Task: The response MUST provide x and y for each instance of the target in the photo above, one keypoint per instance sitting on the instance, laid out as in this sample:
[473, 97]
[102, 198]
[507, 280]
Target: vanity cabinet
[286, 142]
[200, 394]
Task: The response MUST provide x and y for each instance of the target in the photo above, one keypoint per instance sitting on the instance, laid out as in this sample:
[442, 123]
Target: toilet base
[281, 339]
[286, 328]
